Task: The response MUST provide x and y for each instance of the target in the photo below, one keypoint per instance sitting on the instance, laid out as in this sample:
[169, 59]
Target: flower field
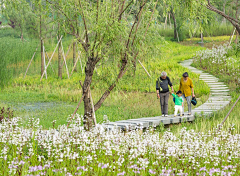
[221, 60]
[73, 151]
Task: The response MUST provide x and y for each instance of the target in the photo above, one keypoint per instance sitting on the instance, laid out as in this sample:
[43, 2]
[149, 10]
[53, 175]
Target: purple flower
[136, 172]
[40, 167]
[46, 165]
[133, 166]
[151, 171]
[203, 169]
[21, 162]
[81, 167]
[104, 166]
[122, 173]
[80, 173]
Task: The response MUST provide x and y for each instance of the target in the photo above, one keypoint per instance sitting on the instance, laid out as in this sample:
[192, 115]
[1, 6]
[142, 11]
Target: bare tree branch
[85, 24]
[138, 22]
[95, 40]
[120, 15]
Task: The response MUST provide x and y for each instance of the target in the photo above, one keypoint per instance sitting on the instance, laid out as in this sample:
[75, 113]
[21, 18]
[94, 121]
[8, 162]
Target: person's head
[185, 75]
[163, 75]
[179, 93]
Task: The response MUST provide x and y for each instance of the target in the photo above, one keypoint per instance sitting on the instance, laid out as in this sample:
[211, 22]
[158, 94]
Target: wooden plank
[137, 123]
[215, 101]
[112, 127]
[221, 90]
[217, 85]
[175, 120]
[123, 125]
[198, 111]
[207, 78]
[188, 118]
[220, 93]
[152, 122]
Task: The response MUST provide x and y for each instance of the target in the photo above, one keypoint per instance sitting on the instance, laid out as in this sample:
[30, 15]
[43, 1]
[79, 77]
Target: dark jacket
[162, 84]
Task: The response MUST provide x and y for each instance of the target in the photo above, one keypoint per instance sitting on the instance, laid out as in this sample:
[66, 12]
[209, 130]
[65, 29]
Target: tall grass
[211, 30]
[14, 53]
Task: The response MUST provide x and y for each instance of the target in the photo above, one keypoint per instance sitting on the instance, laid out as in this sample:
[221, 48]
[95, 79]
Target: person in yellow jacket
[186, 86]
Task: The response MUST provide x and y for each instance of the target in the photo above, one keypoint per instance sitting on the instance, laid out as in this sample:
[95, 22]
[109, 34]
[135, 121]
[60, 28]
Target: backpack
[158, 82]
[194, 101]
[174, 99]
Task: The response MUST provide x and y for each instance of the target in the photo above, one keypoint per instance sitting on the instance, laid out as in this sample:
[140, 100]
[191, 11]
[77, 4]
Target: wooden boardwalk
[219, 98]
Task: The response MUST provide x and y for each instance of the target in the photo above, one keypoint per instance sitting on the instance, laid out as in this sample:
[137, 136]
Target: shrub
[5, 114]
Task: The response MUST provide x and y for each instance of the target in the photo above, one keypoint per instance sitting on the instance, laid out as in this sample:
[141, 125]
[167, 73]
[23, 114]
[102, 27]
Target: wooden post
[80, 60]
[144, 68]
[51, 58]
[68, 49]
[65, 60]
[48, 59]
[81, 64]
[30, 62]
[74, 66]
[44, 61]
[76, 108]
[228, 114]
[232, 37]
[94, 116]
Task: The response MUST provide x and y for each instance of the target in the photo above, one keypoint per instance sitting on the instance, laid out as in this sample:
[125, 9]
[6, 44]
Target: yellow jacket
[185, 87]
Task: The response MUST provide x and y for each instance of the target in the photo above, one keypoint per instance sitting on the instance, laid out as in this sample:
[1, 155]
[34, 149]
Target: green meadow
[56, 99]
[135, 96]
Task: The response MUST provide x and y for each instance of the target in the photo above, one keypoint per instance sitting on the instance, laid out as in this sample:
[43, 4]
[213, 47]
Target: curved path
[219, 98]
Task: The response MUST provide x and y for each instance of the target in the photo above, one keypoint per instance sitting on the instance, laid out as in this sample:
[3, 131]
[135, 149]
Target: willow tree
[106, 29]
[29, 16]
[210, 5]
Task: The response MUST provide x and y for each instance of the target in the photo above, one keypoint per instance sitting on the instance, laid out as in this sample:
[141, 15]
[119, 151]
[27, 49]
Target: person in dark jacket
[163, 92]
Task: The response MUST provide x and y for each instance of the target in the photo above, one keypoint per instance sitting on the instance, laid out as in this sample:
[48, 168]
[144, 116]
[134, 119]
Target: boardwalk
[219, 98]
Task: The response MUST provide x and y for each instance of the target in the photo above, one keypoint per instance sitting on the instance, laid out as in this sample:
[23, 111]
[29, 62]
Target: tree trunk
[170, 21]
[42, 57]
[88, 111]
[201, 37]
[235, 22]
[22, 36]
[175, 25]
[236, 40]
[165, 24]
